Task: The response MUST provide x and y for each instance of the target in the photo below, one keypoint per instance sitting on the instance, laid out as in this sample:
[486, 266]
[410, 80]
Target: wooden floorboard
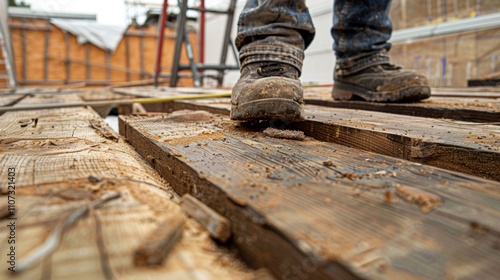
[466, 147]
[316, 210]
[456, 145]
[66, 158]
[481, 105]
[461, 106]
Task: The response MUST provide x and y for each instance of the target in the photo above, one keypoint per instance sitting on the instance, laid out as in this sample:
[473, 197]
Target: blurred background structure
[452, 41]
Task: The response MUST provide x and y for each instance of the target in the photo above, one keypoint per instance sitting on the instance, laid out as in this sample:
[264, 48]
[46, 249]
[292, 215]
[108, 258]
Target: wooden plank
[62, 162]
[464, 106]
[168, 107]
[151, 91]
[315, 210]
[455, 145]
[464, 109]
[460, 146]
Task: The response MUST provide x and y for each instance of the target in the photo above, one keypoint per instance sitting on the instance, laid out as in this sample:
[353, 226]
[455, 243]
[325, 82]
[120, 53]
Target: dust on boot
[268, 90]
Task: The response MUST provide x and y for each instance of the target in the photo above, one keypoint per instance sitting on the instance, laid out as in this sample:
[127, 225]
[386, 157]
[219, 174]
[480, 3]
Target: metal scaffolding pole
[161, 37]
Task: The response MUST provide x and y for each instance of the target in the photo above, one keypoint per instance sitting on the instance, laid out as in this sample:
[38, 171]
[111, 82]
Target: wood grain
[455, 145]
[62, 163]
[466, 147]
[319, 210]
[471, 108]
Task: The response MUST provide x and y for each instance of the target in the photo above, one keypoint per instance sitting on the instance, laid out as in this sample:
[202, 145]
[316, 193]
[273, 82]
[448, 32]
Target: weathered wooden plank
[63, 161]
[464, 109]
[460, 146]
[315, 210]
[151, 91]
[467, 92]
[464, 105]
[466, 147]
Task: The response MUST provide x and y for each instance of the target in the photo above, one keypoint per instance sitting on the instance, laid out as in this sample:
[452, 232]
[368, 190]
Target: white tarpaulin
[106, 37]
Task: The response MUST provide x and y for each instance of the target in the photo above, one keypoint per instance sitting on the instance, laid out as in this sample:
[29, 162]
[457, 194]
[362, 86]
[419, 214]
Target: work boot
[268, 90]
[375, 79]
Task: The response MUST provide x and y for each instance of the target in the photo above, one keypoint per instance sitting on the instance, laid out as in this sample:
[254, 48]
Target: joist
[68, 159]
[316, 210]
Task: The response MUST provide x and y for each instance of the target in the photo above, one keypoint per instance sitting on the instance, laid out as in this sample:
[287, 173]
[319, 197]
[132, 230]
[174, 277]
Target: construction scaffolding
[197, 69]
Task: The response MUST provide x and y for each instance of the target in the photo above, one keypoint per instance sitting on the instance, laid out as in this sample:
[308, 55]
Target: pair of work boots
[271, 90]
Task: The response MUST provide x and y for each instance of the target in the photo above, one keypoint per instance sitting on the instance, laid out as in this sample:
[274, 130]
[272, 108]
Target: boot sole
[269, 108]
[343, 91]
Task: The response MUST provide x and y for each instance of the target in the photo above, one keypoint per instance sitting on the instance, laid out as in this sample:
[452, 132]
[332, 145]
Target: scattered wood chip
[424, 199]
[329, 163]
[94, 180]
[103, 130]
[218, 226]
[155, 249]
[285, 134]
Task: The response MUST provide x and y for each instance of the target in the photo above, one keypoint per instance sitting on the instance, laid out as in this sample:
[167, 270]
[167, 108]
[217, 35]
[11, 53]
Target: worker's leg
[272, 37]
[361, 29]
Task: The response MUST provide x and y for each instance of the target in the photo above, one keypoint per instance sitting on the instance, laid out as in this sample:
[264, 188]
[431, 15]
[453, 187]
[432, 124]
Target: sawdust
[103, 129]
[285, 134]
[424, 199]
[329, 163]
[206, 135]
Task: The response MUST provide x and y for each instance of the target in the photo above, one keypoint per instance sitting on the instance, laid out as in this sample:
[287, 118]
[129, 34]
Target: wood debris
[218, 226]
[424, 199]
[285, 134]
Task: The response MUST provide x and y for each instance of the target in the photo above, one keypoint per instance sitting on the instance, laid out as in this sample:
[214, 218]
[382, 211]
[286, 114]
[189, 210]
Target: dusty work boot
[375, 79]
[268, 90]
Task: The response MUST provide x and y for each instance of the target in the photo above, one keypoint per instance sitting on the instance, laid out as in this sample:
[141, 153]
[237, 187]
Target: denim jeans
[280, 31]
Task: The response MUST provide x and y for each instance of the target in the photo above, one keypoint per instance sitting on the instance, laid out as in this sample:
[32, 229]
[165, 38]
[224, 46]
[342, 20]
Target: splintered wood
[316, 210]
[284, 133]
[67, 161]
[218, 226]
